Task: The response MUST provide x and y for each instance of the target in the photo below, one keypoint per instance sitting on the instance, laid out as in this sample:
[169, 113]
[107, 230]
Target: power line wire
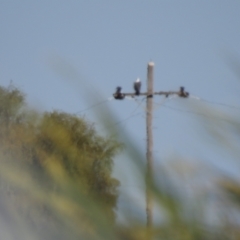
[215, 103]
[192, 112]
[161, 103]
[93, 106]
[221, 104]
[125, 119]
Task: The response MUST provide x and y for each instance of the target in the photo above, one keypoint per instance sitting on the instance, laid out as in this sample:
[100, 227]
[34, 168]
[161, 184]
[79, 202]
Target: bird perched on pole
[137, 86]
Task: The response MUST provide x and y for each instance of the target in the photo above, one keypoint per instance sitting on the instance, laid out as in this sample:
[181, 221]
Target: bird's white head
[138, 80]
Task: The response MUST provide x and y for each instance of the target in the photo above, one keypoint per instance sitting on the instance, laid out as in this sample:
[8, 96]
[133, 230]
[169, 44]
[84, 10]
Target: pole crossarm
[118, 95]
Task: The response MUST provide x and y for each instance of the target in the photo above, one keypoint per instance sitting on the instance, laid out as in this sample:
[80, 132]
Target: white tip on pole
[151, 64]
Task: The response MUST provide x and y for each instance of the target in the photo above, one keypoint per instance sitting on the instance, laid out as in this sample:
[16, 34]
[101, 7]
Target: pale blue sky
[109, 43]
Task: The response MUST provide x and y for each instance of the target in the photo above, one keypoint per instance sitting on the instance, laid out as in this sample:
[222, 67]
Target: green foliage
[56, 183]
[85, 156]
[11, 102]
[55, 169]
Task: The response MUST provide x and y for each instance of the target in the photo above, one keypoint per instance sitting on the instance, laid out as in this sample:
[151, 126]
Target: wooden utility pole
[118, 95]
[149, 155]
